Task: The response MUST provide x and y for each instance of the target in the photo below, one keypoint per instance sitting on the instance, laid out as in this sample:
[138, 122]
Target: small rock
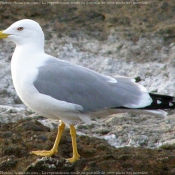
[172, 44]
[33, 126]
[13, 150]
[8, 165]
[42, 137]
[49, 165]
[7, 134]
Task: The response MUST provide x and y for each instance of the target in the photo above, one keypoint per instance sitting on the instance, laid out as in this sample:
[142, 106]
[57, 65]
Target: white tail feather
[159, 113]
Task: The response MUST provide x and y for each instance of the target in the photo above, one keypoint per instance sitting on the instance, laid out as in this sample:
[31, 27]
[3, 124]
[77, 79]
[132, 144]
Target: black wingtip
[161, 102]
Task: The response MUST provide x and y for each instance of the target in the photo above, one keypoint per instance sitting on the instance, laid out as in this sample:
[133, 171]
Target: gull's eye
[20, 28]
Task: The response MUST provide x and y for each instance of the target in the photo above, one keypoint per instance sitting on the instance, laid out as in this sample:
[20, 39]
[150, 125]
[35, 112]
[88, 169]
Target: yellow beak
[3, 35]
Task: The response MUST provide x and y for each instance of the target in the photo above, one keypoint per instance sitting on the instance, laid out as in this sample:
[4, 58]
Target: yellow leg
[76, 156]
[55, 146]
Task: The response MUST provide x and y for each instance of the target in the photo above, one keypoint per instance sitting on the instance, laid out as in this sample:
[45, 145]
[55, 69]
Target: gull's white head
[25, 31]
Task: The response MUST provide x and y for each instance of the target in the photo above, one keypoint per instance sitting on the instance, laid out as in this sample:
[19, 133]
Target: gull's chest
[24, 70]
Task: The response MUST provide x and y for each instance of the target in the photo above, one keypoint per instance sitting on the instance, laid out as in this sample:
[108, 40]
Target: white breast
[24, 71]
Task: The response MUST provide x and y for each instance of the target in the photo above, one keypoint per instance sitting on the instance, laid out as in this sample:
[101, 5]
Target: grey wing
[75, 84]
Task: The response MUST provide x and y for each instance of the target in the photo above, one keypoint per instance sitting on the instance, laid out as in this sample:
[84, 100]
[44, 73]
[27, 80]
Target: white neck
[31, 48]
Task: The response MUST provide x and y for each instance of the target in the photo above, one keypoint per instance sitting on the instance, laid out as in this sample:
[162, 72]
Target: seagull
[62, 90]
